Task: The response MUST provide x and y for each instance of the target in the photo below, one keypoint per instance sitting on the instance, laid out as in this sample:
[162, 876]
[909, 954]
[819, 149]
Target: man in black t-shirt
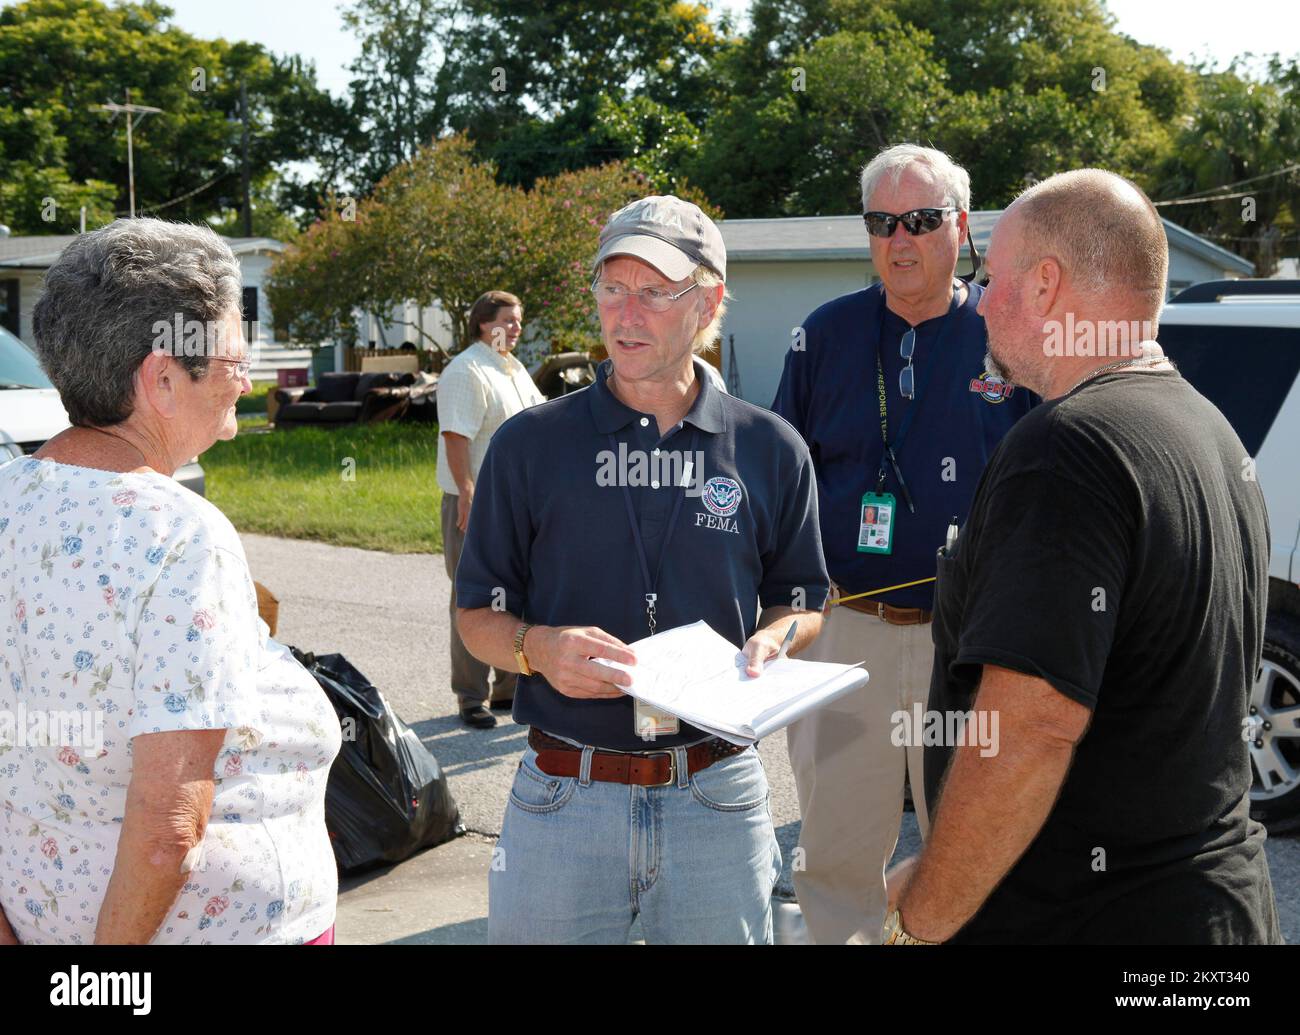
[1101, 615]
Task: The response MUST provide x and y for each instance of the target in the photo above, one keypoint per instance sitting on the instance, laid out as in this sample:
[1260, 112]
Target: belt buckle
[672, 768]
[880, 611]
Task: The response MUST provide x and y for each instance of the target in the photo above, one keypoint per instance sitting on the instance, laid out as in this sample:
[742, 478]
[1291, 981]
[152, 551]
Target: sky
[1188, 29]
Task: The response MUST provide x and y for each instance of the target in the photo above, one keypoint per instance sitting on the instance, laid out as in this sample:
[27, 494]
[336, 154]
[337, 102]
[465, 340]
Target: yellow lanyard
[886, 589]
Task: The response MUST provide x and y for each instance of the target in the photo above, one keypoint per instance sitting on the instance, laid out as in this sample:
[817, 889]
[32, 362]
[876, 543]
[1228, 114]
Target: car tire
[1275, 750]
[566, 374]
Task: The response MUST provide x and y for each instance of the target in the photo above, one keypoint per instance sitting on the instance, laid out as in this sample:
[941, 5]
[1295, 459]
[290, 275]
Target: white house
[1287, 269]
[24, 260]
[780, 270]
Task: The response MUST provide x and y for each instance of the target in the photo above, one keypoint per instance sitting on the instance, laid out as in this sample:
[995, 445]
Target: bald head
[1102, 230]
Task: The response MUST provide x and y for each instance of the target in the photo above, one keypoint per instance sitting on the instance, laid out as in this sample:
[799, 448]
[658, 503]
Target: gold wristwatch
[894, 934]
[520, 633]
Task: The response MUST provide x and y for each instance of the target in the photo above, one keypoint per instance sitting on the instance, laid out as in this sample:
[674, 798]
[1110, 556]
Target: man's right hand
[563, 655]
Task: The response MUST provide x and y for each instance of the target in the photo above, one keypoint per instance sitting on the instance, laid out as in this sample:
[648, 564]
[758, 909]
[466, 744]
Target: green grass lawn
[293, 483]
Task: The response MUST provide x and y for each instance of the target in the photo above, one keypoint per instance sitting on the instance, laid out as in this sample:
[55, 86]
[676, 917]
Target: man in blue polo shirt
[890, 389]
[650, 500]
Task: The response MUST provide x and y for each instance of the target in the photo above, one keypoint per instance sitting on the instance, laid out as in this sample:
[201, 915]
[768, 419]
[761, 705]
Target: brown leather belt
[556, 757]
[887, 612]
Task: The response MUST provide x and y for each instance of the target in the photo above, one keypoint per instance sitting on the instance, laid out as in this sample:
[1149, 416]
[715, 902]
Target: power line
[1252, 179]
[1198, 201]
[1204, 195]
[184, 197]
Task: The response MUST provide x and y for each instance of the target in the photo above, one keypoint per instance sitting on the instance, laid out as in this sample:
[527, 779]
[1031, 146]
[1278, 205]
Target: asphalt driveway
[388, 614]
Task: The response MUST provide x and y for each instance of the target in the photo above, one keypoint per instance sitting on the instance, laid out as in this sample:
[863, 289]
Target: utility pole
[130, 110]
[248, 206]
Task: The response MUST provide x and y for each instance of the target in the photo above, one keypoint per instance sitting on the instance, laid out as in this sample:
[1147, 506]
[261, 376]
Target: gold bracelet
[520, 658]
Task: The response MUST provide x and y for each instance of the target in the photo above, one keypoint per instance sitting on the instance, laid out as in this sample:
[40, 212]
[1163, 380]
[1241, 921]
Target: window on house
[250, 314]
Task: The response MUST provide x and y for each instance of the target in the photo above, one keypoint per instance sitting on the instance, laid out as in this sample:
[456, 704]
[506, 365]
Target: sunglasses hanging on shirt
[906, 376]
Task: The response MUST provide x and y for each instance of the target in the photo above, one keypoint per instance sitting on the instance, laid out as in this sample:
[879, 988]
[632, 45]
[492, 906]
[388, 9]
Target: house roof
[827, 238]
[40, 252]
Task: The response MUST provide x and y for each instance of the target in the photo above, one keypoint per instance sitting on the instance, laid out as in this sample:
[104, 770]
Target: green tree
[1243, 129]
[37, 196]
[403, 78]
[186, 158]
[793, 145]
[1013, 89]
[316, 287]
[544, 88]
[441, 229]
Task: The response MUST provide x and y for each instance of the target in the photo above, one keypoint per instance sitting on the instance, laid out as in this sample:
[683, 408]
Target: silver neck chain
[1122, 364]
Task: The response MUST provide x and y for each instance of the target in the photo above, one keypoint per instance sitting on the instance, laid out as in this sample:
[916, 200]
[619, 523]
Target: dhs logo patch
[721, 496]
[993, 388]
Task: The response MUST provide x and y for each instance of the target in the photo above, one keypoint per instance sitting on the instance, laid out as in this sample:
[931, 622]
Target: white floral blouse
[127, 608]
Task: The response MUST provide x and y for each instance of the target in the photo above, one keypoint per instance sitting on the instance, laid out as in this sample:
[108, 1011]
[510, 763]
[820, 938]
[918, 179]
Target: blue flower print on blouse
[143, 614]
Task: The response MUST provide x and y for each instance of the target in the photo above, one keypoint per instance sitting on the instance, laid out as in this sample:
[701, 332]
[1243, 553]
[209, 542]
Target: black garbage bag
[387, 797]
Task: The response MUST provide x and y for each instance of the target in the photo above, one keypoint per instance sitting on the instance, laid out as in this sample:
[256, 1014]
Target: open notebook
[700, 677]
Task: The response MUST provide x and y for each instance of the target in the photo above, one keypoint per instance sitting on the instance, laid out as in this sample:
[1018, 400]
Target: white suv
[30, 410]
[1238, 342]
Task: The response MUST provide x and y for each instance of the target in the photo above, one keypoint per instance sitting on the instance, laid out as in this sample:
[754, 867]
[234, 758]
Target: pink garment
[325, 939]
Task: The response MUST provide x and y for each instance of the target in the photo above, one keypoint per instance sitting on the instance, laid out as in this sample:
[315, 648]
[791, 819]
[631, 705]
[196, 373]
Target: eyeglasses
[906, 376]
[917, 222]
[242, 366]
[657, 300]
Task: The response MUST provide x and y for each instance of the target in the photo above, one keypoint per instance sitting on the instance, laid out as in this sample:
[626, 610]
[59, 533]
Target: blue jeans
[579, 860]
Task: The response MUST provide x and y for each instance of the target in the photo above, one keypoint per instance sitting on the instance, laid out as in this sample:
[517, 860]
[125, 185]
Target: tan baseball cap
[672, 235]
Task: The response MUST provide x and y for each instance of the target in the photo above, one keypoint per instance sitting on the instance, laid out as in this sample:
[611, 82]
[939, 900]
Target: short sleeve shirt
[478, 392]
[1115, 551]
[550, 538]
[829, 392]
[128, 610]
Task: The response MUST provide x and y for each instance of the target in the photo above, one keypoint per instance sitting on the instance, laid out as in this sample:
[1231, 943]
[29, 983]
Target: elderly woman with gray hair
[185, 801]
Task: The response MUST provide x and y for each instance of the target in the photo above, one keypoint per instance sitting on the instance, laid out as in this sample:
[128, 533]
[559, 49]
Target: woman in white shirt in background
[478, 391]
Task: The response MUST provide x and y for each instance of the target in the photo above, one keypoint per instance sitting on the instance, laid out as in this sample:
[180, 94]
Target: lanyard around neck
[651, 585]
[889, 454]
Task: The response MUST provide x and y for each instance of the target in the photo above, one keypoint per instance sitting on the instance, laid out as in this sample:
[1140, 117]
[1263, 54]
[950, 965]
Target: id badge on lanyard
[878, 514]
[649, 722]
[876, 523]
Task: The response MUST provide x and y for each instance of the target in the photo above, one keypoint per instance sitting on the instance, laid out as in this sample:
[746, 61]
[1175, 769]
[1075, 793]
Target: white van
[1238, 342]
[30, 410]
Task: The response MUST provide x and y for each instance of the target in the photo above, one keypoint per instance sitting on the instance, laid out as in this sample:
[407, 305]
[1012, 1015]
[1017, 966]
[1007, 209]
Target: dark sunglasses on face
[918, 221]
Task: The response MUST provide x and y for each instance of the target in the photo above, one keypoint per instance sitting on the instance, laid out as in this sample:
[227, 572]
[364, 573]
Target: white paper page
[698, 675]
[849, 678]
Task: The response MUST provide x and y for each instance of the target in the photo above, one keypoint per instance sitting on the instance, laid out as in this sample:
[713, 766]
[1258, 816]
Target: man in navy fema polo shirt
[889, 388]
[648, 501]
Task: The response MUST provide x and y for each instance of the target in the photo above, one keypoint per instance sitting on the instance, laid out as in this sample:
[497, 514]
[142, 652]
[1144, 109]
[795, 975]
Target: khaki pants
[469, 676]
[850, 776]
